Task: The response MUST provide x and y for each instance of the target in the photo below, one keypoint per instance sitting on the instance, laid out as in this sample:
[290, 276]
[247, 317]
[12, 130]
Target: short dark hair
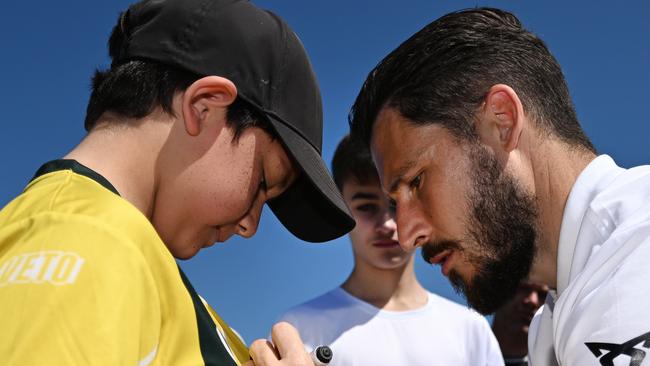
[134, 88]
[443, 72]
[353, 161]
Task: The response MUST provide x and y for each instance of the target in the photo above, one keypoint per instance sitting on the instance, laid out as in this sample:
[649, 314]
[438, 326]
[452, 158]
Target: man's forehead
[388, 120]
[385, 138]
[397, 145]
[391, 130]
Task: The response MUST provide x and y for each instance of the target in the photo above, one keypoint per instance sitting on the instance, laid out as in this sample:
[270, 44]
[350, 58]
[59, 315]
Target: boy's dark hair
[352, 160]
[443, 73]
[133, 89]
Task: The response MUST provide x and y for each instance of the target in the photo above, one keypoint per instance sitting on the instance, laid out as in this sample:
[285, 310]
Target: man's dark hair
[443, 73]
[134, 88]
[353, 161]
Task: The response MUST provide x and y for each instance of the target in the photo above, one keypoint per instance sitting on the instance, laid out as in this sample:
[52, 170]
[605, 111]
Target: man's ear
[205, 97]
[502, 119]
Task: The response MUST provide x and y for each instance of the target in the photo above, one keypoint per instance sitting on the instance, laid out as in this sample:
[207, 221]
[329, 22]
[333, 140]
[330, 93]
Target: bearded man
[477, 144]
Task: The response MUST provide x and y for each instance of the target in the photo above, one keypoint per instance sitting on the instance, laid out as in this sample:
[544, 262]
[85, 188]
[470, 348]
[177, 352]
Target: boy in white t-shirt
[381, 315]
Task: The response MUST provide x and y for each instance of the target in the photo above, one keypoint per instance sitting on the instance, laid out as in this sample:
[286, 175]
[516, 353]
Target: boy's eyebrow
[364, 195]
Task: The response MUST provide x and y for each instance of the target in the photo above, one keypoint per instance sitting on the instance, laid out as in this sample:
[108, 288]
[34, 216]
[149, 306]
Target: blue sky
[50, 49]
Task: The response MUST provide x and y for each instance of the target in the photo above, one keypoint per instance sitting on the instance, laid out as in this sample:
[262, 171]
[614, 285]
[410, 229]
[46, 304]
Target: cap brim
[312, 208]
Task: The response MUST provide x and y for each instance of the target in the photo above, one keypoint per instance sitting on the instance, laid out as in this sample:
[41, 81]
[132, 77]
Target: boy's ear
[502, 120]
[203, 98]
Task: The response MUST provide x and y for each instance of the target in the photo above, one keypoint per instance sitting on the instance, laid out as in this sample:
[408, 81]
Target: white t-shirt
[600, 312]
[440, 333]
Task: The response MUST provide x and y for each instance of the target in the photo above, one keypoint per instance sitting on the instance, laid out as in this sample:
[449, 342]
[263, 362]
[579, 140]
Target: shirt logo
[54, 267]
[614, 350]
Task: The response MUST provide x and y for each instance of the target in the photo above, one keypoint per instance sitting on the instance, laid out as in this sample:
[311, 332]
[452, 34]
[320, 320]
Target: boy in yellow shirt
[209, 110]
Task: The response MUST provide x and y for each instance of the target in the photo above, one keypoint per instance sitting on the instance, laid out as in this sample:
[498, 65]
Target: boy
[209, 110]
[512, 320]
[381, 315]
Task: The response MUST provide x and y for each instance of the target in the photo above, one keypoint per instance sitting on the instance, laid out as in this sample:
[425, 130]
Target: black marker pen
[321, 355]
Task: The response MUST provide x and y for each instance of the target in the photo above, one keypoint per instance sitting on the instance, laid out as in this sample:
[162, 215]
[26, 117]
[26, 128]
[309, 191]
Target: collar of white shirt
[572, 255]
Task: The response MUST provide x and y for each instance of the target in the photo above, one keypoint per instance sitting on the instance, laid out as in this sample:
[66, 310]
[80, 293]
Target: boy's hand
[286, 349]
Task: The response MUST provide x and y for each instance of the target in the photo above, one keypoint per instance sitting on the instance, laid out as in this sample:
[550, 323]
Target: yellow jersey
[86, 280]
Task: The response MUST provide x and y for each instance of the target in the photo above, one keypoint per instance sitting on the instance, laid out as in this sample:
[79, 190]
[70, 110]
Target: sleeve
[234, 340]
[493, 355]
[87, 299]
[604, 318]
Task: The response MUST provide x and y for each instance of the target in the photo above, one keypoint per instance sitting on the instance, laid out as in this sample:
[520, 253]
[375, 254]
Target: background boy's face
[374, 238]
[218, 189]
[519, 311]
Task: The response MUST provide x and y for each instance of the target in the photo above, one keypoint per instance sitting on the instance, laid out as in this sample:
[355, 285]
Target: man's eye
[415, 183]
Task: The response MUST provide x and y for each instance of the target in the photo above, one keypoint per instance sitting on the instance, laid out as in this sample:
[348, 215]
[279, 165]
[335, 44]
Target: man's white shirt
[600, 311]
[360, 334]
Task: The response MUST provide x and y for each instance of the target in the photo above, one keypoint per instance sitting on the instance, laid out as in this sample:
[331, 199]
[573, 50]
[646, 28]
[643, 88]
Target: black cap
[266, 61]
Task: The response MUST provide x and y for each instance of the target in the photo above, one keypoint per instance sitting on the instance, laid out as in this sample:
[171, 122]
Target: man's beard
[503, 228]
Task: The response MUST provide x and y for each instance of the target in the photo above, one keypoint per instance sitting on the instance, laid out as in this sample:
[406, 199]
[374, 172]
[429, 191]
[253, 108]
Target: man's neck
[555, 171]
[393, 289]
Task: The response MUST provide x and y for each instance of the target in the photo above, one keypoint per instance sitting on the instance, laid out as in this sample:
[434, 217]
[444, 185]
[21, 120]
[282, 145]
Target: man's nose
[413, 230]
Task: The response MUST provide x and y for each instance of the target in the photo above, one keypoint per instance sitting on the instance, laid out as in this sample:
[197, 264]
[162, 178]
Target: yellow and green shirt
[86, 280]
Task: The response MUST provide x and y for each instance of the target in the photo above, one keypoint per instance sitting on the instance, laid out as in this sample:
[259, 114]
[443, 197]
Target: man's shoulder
[625, 201]
[606, 304]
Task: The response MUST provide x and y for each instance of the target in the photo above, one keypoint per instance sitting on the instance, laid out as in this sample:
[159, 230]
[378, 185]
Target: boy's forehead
[366, 184]
[276, 156]
[295, 171]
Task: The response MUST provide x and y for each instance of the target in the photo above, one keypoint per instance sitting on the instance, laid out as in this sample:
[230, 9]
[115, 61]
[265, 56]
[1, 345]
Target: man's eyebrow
[364, 195]
[399, 175]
